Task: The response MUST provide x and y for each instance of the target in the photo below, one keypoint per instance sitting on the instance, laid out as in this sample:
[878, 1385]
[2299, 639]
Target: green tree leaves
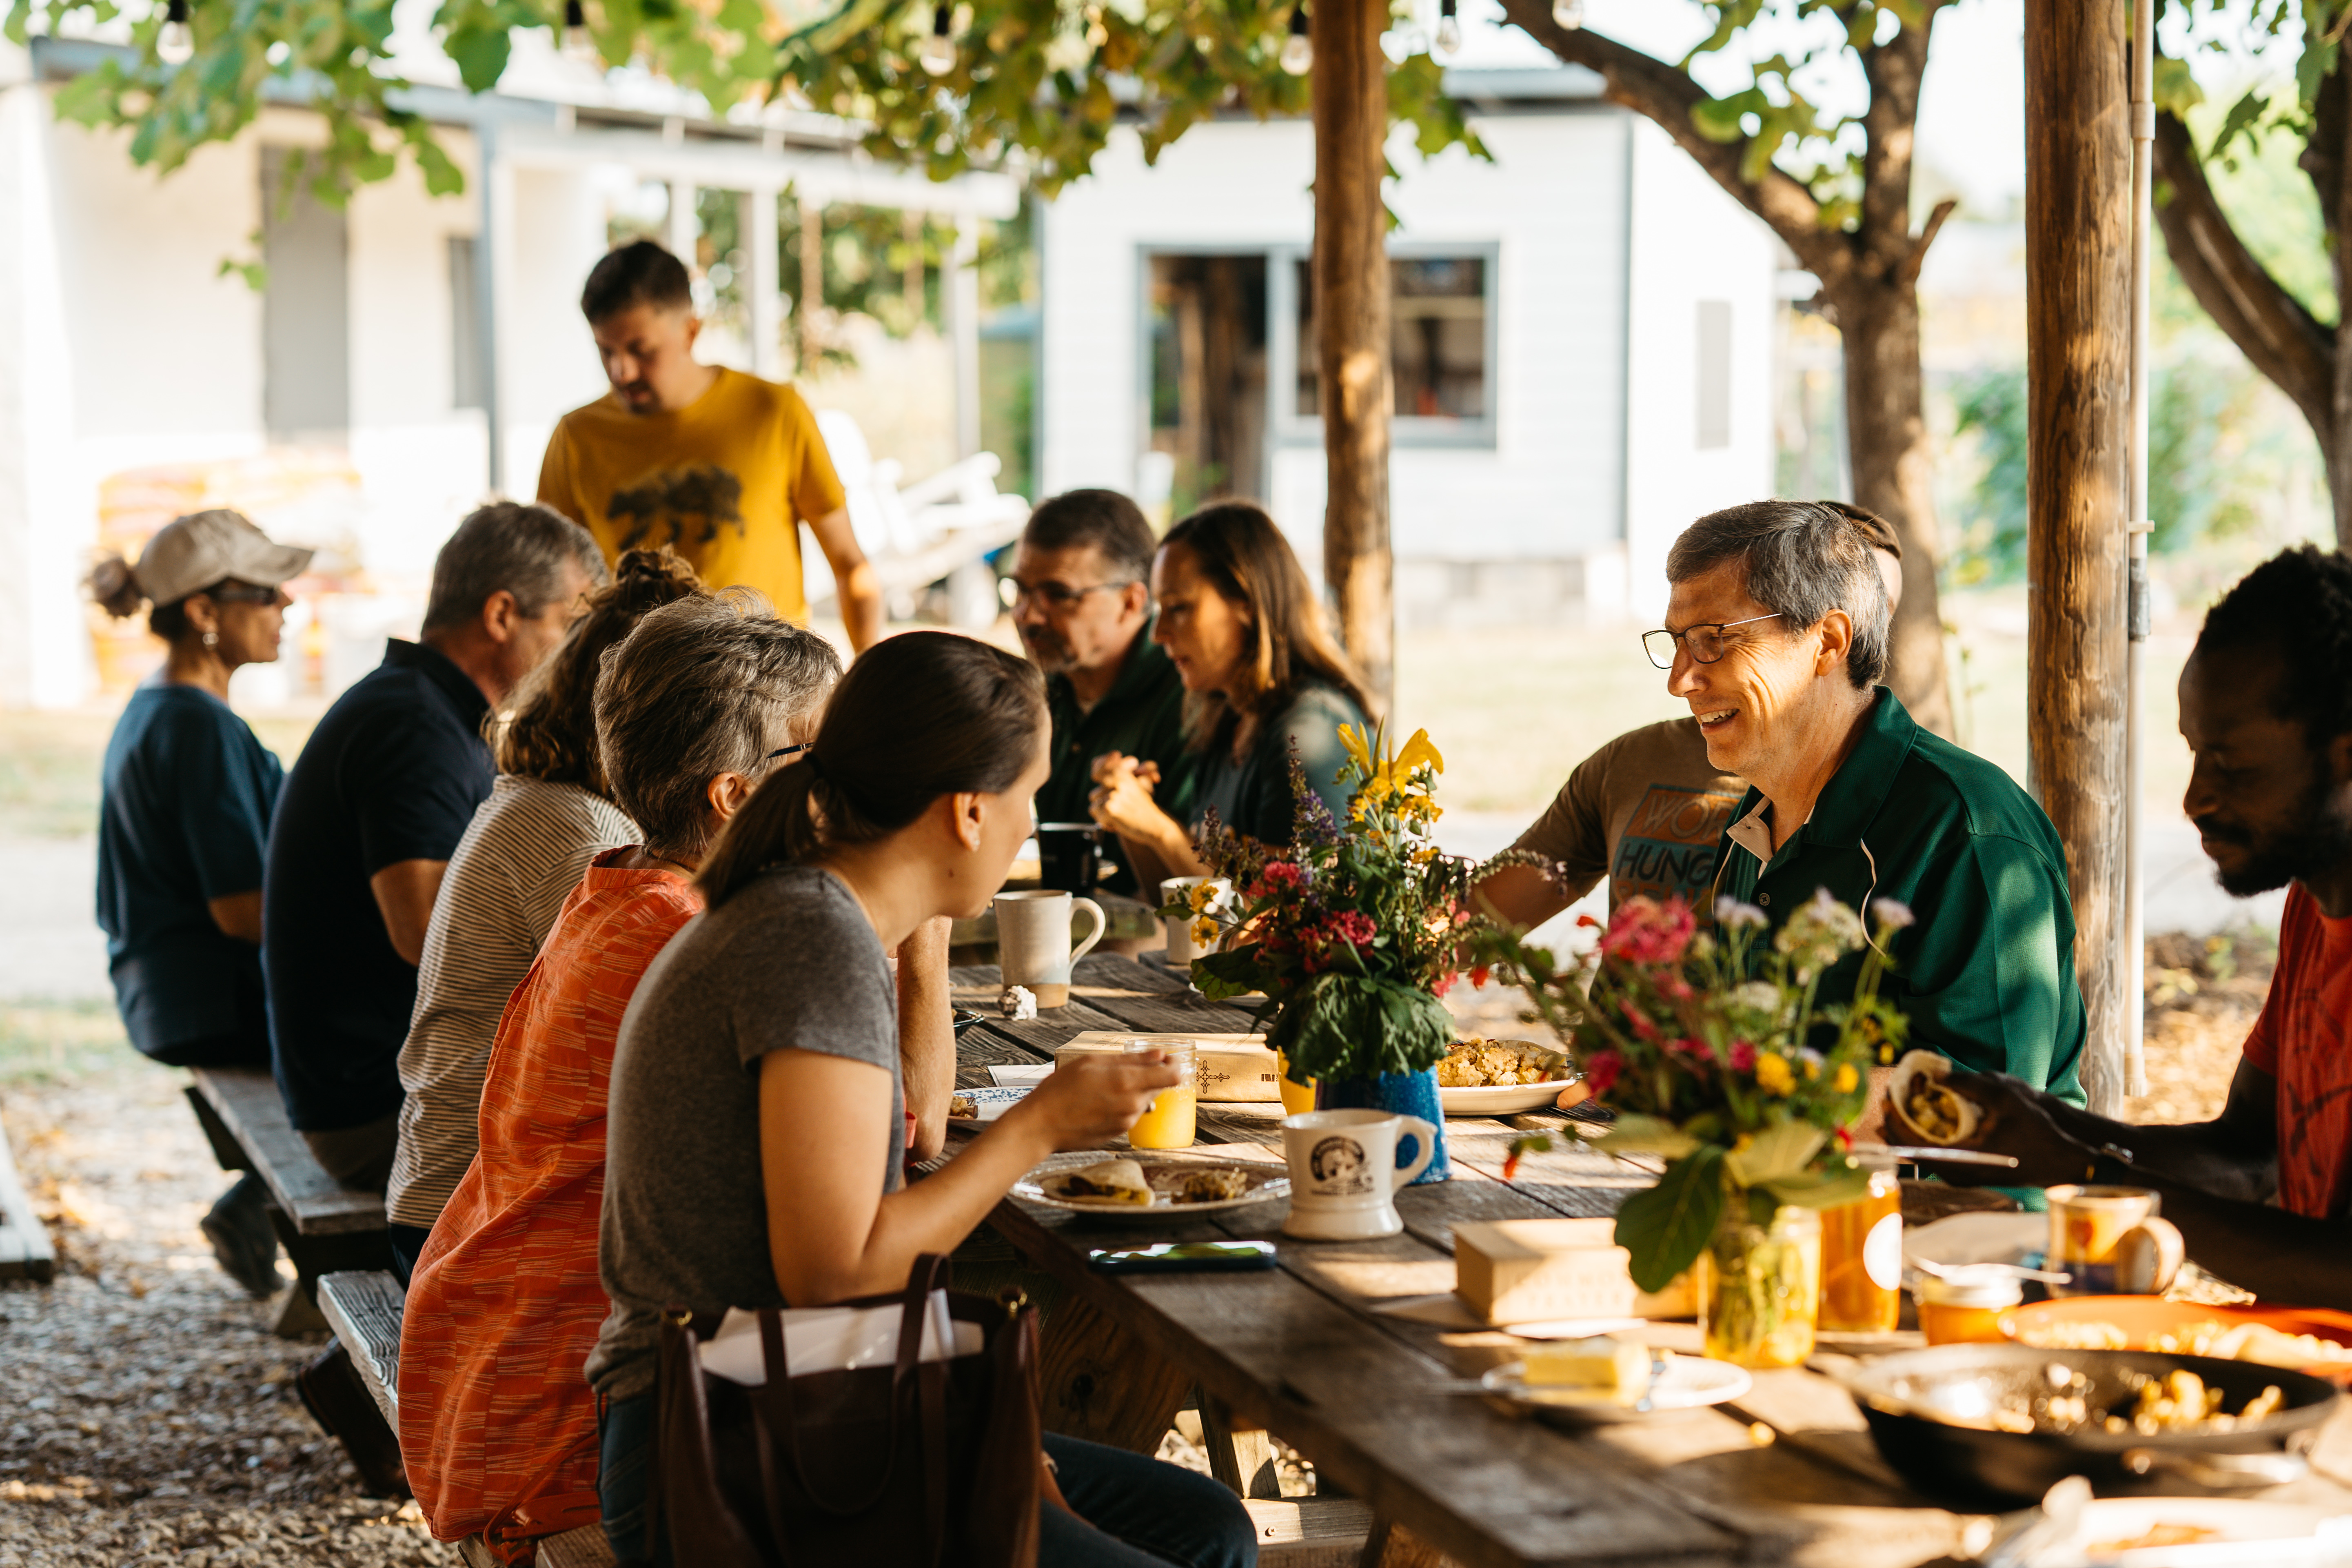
[1048, 77]
[1666, 1227]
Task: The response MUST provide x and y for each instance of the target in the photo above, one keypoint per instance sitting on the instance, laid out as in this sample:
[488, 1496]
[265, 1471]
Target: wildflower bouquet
[1352, 932]
[1710, 1048]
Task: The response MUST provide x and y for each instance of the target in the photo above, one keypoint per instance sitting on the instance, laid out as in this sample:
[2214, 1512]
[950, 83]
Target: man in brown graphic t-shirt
[1647, 810]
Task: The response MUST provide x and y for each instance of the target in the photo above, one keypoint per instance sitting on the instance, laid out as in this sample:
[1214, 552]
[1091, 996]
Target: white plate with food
[978, 1107]
[1126, 1188]
[2179, 1531]
[1598, 1382]
[1493, 1078]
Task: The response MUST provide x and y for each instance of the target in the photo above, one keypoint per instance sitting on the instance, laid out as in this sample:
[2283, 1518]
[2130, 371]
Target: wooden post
[1351, 312]
[911, 225]
[812, 301]
[2078, 377]
[762, 286]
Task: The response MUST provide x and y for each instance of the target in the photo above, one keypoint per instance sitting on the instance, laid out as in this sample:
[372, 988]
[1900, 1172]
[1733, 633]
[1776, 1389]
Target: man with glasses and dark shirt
[1082, 602]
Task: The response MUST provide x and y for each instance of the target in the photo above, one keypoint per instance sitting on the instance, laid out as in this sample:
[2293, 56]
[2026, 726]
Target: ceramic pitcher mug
[1182, 948]
[1344, 1173]
[2112, 1240]
[1033, 941]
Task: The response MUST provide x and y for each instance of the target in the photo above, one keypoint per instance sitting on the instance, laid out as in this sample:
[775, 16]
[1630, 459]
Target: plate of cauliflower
[1490, 1077]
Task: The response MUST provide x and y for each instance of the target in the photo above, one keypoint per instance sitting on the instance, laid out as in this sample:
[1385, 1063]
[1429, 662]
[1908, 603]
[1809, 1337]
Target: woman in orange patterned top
[498, 1424]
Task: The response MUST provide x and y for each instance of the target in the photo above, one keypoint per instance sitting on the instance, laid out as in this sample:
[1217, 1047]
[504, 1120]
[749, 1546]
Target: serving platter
[1265, 1181]
[1676, 1383]
[1497, 1100]
[2223, 1528]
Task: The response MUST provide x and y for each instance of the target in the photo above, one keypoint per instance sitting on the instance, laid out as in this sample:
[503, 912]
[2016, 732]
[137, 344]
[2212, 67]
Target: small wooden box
[1532, 1270]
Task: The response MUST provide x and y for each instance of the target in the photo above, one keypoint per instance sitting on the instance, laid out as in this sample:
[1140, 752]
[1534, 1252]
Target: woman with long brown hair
[1261, 675]
[754, 1151]
[549, 813]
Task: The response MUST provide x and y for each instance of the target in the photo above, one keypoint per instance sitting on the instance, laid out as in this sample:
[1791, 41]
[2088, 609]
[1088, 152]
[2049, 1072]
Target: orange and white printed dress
[498, 1425]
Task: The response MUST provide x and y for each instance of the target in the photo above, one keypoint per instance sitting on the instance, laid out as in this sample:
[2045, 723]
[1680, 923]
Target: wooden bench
[364, 1309]
[324, 1226]
[25, 1249]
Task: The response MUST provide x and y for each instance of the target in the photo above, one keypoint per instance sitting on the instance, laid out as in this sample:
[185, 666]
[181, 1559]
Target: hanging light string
[1298, 49]
[1449, 28]
[937, 54]
[176, 43]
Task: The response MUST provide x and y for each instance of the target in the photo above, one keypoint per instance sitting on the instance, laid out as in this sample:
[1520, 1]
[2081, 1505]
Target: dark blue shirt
[182, 818]
[1252, 795]
[393, 772]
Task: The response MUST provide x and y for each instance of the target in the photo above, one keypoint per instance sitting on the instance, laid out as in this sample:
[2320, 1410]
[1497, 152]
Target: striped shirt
[525, 852]
[2299, 1040]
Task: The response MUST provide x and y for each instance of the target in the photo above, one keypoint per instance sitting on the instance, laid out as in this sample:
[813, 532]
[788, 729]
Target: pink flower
[1743, 1055]
[1639, 1023]
[1697, 1050]
[1601, 1070]
[1279, 877]
[1673, 987]
[1645, 931]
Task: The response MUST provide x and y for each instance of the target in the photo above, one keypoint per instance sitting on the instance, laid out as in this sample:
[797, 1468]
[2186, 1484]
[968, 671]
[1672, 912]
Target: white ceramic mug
[1182, 948]
[1033, 941]
[1344, 1173]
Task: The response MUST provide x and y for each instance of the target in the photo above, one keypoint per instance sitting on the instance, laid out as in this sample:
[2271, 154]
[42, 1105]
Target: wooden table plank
[247, 1102]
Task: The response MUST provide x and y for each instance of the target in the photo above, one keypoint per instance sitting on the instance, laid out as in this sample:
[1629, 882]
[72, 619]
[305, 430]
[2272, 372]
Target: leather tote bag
[918, 1464]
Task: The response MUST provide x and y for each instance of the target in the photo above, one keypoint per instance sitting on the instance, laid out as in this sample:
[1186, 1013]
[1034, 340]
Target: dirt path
[146, 1414]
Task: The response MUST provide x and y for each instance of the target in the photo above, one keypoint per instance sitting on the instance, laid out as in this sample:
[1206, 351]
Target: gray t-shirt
[789, 962]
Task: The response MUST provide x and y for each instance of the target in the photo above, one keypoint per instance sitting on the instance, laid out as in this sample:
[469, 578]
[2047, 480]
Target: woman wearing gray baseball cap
[188, 790]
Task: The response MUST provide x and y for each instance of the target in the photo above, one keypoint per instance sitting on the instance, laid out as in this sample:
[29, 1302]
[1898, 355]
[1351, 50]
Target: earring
[212, 639]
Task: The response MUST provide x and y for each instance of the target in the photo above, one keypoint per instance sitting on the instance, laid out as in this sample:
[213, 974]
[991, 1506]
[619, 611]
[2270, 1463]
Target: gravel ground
[147, 1415]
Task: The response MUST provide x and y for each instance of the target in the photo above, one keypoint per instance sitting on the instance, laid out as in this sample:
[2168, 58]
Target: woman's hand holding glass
[1088, 1101]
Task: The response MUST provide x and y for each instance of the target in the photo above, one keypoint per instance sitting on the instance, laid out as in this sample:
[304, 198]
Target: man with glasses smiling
[1082, 603]
[1647, 810]
[1775, 636]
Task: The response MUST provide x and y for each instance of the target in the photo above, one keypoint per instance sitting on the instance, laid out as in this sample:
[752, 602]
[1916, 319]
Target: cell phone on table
[1183, 1258]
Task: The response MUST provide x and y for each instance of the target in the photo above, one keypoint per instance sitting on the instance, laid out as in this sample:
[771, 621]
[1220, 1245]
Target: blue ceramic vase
[1406, 1093]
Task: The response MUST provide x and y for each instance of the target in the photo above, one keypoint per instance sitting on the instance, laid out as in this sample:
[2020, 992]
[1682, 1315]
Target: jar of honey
[1861, 1253]
[1966, 1308]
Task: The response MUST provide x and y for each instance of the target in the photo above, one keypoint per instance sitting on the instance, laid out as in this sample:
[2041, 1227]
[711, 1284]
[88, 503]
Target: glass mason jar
[1861, 1253]
[1759, 1286]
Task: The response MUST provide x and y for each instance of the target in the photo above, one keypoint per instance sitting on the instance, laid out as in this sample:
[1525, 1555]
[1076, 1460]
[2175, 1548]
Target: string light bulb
[1298, 49]
[1449, 28]
[579, 43]
[938, 55]
[1568, 13]
[176, 44]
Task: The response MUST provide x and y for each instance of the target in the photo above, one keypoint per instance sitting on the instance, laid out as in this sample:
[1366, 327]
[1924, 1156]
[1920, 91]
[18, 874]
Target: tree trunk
[1894, 476]
[2078, 480]
[1351, 311]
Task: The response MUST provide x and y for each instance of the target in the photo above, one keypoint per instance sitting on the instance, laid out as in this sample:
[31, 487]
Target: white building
[1584, 331]
[1583, 334]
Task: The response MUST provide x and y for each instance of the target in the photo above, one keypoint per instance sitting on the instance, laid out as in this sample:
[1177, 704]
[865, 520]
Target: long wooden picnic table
[1386, 1406]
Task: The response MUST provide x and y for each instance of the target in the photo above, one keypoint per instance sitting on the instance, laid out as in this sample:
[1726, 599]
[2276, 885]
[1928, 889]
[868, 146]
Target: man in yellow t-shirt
[719, 465]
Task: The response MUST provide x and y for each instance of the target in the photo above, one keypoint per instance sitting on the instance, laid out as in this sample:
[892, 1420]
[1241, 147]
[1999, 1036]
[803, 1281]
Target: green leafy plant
[1046, 78]
[1710, 1047]
[1353, 932]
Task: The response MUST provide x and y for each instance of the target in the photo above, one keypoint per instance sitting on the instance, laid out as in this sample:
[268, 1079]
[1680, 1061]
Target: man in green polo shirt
[1082, 602]
[1775, 636]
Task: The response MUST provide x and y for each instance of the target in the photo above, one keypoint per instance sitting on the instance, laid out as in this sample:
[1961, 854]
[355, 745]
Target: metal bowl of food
[1996, 1426]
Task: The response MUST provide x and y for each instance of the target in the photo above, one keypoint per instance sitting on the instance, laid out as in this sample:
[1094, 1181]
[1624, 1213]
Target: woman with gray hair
[1776, 635]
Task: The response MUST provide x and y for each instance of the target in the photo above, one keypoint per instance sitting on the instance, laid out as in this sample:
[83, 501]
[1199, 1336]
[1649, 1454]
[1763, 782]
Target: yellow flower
[1812, 1068]
[1772, 1074]
[1417, 752]
[1846, 1078]
[1204, 933]
[1202, 895]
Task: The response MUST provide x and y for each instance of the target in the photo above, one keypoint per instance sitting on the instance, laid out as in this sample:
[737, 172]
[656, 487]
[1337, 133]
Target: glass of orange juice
[1861, 1253]
[1169, 1123]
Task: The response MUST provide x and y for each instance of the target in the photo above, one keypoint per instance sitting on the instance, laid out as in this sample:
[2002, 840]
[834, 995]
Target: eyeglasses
[1704, 642]
[241, 594]
[1054, 595]
[787, 751]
